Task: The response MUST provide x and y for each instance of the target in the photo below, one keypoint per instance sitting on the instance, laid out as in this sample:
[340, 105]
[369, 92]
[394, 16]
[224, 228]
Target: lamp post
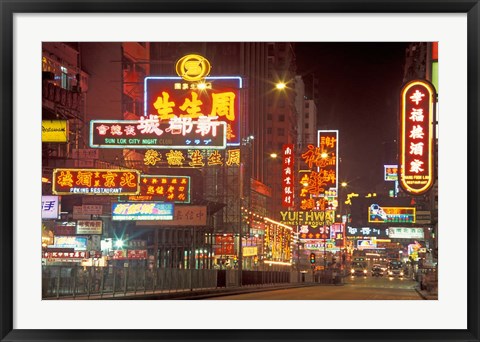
[273, 157]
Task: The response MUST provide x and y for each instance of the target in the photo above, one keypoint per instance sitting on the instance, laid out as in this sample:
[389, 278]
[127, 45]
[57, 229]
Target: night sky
[358, 94]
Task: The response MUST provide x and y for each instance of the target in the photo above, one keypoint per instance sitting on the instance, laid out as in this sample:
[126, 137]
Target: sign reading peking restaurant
[95, 182]
[417, 115]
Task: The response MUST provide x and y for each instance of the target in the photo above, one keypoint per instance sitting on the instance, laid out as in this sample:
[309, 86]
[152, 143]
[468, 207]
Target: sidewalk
[425, 294]
[184, 293]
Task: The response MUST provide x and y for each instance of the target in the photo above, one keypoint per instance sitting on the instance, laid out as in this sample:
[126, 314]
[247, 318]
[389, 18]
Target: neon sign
[173, 98]
[380, 214]
[192, 67]
[417, 137]
[175, 189]
[95, 182]
[287, 176]
[135, 211]
[205, 132]
[192, 158]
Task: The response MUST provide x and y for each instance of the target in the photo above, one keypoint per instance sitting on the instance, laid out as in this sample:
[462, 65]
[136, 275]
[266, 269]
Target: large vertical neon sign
[417, 136]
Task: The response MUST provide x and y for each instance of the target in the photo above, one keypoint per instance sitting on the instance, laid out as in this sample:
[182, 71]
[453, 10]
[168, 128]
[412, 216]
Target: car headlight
[352, 271]
[364, 271]
[390, 272]
[401, 273]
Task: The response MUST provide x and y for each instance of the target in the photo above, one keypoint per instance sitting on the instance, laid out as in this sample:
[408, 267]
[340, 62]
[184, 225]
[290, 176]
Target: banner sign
[250, 251]
[55, 131]
[206, 132]
[287, 175]
[319, 245]
[378, 214]
[65, 228]
[417, 116]
[311, 218]
[175, 99]
[65, 255]
[183, 215]
[380, 233]
[163, 188]
[89, 227]
[50, 205]
[224, 245]
[95, 182]
[309, 232]
[406, 233]
[135, 211]
[79, 243]
[390, 172]
[366, 244]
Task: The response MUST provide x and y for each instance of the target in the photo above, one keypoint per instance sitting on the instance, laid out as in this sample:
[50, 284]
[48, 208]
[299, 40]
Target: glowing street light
[280, 85]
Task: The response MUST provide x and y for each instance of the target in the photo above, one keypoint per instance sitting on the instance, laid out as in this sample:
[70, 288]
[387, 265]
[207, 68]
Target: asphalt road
[358, 288]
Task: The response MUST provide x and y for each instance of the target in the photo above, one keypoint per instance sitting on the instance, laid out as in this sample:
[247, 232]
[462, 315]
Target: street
[359, 288]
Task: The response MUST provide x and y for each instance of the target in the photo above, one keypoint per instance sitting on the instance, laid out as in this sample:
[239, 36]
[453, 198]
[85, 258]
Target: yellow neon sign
[192, 67]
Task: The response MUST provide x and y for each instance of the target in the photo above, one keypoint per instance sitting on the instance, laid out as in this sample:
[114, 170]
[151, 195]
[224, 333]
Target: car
[395, 269]
[359, 269]
[378, 270]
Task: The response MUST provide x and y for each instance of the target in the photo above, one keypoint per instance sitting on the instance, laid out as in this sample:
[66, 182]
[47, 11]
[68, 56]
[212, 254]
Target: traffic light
[255, 260]
[235, 259]
[312, 258]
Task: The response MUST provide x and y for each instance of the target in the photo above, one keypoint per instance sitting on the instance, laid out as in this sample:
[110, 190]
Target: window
[269, 116]
[281, 132]
[307, 125]
[64, 78]
[281, 118]
[307, 115]
[269, 130]
[307, 105]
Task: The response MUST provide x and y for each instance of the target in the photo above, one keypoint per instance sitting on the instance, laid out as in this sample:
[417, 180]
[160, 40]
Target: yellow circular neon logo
[192, 67]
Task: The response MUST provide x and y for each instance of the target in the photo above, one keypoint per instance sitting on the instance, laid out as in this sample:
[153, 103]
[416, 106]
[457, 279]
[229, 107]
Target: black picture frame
[11, 7]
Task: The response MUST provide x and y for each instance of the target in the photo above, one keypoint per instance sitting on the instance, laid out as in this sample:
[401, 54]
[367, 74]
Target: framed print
[238, 170]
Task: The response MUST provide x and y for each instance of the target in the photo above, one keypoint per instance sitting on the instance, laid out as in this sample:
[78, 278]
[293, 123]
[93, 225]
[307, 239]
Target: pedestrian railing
[81, 282]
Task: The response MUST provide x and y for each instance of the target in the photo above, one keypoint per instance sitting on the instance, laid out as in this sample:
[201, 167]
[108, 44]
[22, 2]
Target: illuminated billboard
[213, 97]
[417, 115]
[50, 205]
[140, 211]
[310, 218]
[95, 182]
[378, 214]
[55, 131]
[390, 172]
[204, 132]
[406, 233]
[175, 189]
[287, 176]
[192, 158]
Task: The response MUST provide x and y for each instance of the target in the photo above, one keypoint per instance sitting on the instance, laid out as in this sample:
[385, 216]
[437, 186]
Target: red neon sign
[287, 176]
[95, 182]
[417, 137]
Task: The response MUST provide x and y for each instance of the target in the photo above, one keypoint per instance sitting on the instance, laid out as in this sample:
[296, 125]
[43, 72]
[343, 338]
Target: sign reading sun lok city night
[417, 115]
[204, 132]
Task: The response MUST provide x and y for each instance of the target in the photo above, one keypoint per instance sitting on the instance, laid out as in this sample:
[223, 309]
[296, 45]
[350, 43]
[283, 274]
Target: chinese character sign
[175, 189]
[50, 207]
[134, 211]
[95, 182]
[287, 176]
[391, 172]
[417, 136]
[173, 98]
[206, 132]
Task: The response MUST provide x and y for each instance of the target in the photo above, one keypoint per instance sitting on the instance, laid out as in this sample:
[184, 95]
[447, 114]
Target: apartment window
[307, 115]
[281, 118]
[307, 125]
[269, 130]
[281, 103]
[64, 78]
[269, 116]
[307, 105]
[281, 132]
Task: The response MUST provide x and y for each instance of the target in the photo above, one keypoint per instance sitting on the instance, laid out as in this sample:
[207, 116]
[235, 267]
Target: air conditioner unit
[48, 75]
